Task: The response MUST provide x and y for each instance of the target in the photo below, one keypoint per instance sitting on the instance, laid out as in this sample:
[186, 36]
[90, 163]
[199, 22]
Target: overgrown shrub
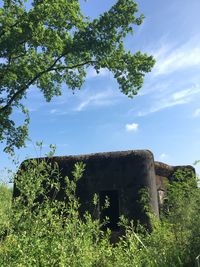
[5, 210]
[52, 233]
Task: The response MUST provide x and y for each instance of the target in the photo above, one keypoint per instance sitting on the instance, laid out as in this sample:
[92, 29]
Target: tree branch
[3, 31]
[74, 66]
[51, 68]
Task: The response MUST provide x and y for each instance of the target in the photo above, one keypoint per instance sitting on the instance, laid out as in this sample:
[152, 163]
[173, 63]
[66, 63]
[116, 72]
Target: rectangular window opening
[112, 212]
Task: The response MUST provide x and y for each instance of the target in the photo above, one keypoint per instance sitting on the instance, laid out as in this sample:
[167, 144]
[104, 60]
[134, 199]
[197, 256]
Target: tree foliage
[53, 43]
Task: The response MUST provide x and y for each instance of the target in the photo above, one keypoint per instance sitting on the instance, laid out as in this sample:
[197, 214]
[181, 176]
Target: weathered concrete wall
[165, 174]
[125, 172]
[120, 174]
[164, 171]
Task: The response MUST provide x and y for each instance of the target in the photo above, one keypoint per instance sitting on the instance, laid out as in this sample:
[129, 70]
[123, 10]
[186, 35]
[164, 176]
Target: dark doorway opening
[112, 212]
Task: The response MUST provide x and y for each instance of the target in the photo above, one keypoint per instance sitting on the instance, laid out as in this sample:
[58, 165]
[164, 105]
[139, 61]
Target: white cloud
[162, 105]
[59, 111]
[88, 98]
[196, 113]
[170, 59]
[53, 111]
[163, 156]
[132, 127]
[185, 94]
[104, 98]
[178, 98]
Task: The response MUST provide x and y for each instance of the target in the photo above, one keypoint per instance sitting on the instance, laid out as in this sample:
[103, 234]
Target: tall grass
[52, 233]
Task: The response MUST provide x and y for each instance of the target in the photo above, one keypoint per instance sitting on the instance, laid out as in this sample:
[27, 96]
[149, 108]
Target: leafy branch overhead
[54, 43]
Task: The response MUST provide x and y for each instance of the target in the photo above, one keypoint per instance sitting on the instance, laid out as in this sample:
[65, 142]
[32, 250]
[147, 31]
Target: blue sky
[164, 117]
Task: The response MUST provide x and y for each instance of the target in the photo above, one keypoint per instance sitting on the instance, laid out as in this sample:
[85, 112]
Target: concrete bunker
[120, 176]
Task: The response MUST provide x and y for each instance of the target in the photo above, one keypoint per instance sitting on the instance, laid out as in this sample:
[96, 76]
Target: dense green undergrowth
[53, 234]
